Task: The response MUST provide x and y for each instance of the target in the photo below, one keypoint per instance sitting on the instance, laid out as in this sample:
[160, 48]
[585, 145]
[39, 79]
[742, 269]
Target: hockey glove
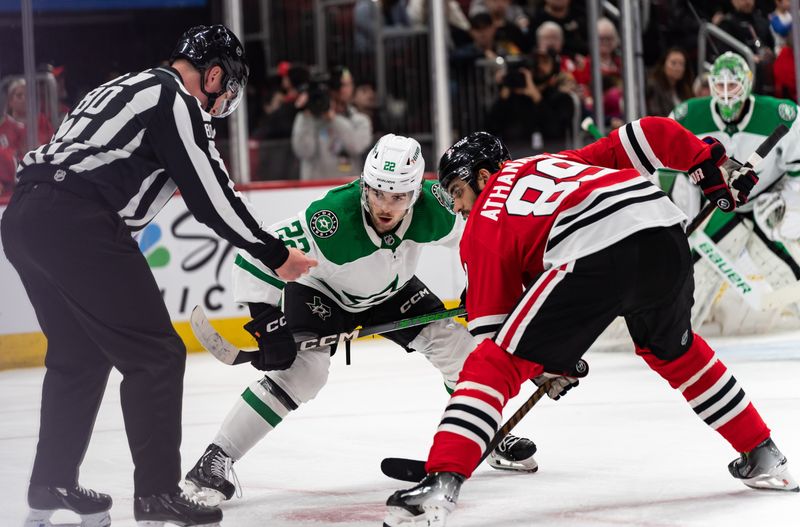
[276, 347]
[778, 214]
[741, 179]
[710, 178]
[562, 381]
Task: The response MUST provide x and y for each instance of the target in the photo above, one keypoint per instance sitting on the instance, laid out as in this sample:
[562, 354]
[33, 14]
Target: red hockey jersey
[547, 210]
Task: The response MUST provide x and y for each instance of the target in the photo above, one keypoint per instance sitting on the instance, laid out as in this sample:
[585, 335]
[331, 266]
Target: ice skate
[514, 453]
[91, 506]
[208, 481]
[174, 509]
[764, 468]
[427, 504]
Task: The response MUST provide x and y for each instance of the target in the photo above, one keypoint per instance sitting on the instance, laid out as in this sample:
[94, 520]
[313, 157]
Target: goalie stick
[414, 469]
[226, 352]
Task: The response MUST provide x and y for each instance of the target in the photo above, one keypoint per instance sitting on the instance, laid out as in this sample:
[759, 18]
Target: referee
[114, 162]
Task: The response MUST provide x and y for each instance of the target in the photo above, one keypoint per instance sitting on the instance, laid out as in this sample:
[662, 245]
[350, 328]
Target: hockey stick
[414, 469]
[226, 352]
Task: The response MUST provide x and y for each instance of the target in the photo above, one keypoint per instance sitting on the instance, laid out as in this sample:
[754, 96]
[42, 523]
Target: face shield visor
[228, 100]
[377, 201]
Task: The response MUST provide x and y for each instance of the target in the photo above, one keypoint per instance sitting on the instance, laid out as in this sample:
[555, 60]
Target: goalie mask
[209, 46]
[730, 82]
[392, 179]
[467, 156]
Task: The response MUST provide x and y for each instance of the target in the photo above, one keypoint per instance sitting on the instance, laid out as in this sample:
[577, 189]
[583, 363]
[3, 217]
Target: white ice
[622, 449]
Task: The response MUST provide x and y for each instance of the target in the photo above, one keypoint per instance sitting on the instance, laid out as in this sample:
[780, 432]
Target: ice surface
[622, 449]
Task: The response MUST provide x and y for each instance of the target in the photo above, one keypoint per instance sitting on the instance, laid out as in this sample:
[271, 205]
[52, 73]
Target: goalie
[764, 235]
[367, 237]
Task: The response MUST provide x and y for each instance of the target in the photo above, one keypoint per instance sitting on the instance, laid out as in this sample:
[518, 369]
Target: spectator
[561, 12]
[780, 22]
[511, 28]
[749, 26]
[532, 109]
[610, 71]
[550, 37]
[514, 14]
[330, 135]
[457, 21]
[280, 108]
[700, 87]
[784, 76]
[365, 101]
[482, 30]
[365, 15]
[670, 83]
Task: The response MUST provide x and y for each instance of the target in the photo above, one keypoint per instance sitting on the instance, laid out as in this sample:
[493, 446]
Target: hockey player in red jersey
[555, 247]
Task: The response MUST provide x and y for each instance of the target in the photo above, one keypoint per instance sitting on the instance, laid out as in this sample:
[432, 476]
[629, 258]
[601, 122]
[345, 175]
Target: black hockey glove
[741, 179]
[276, 347]
[710, 178]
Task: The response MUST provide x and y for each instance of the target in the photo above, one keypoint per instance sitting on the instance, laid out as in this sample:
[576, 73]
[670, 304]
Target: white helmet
[394, 165]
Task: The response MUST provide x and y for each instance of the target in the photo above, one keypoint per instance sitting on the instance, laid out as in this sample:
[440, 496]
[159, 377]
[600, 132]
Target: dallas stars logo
[324, 223]
[318, 308]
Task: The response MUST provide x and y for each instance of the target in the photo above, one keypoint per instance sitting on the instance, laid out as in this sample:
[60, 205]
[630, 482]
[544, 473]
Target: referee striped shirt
[139, 138]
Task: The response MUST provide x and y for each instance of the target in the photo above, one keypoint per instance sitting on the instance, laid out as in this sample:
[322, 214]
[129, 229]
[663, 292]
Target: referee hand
[296, 265]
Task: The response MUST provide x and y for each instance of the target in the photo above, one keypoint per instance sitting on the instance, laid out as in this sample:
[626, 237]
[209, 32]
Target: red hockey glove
[710, 178]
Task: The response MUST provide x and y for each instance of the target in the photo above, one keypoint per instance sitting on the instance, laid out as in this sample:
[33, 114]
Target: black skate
[91, 506]
[427, 504]
[514, 453]
[764, 468]
[177, 509]
[208, 481]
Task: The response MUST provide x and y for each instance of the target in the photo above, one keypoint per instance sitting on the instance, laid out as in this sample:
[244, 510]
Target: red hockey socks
[713, 393]
[489, 378]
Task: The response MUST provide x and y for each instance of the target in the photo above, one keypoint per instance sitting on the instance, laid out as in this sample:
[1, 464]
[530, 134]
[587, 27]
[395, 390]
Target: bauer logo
[324, 224]
[156, 255]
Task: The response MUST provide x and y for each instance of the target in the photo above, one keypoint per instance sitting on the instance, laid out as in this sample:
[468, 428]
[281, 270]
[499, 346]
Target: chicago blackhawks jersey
[358, 268]
[552, 209]
[760, 117]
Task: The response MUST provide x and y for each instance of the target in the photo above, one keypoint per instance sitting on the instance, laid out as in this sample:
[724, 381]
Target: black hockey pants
[99, 307]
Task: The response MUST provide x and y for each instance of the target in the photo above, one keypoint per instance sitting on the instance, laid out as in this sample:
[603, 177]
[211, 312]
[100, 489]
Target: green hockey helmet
[730, 82]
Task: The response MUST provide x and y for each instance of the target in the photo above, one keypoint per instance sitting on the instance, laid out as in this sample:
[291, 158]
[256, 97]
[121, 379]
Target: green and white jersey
[358, 268]
[761, 116]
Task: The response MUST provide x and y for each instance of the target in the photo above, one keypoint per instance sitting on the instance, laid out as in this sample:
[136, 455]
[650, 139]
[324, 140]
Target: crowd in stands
[541, 70]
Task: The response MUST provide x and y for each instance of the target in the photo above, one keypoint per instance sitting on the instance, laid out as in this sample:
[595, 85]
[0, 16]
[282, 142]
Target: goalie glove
[778, 213]
[276, 347]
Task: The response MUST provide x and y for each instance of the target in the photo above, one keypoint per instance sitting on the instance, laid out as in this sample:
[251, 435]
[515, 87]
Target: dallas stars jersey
[760, 118]
[358, 268]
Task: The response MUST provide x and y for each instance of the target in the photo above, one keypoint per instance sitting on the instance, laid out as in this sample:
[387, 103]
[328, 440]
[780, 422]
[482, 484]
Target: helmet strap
[211, 97]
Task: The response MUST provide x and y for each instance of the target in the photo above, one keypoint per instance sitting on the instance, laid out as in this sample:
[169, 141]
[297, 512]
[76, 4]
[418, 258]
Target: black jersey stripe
[602, 197]
[480, 414]
[711, 419]
[653, 196]
[638, 149]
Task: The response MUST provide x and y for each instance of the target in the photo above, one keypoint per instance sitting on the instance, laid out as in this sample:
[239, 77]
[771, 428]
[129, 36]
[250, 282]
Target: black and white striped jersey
[139, 138]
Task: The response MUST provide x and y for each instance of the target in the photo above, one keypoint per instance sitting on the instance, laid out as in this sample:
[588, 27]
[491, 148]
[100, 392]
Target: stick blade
[210, 339]
[404, 469]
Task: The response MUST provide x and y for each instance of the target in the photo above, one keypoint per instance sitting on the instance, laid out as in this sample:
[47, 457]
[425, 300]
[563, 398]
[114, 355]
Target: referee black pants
[99, 307]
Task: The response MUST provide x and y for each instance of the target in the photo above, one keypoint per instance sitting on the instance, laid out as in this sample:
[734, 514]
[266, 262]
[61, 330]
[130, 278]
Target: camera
[514, 77]
[319, 97]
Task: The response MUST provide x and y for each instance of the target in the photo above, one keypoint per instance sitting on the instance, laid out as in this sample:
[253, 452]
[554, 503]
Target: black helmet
[468, 155]
[207, 46]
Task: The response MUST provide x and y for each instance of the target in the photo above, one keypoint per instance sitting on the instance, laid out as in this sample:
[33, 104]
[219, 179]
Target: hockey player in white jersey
[367, 237]
[765, 233]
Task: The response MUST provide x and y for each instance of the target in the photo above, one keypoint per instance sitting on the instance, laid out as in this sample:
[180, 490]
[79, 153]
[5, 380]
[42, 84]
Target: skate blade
[526, 465]
[782, 481]
[202, 495]
[151, 523]
[41, 518]
[432, 517]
